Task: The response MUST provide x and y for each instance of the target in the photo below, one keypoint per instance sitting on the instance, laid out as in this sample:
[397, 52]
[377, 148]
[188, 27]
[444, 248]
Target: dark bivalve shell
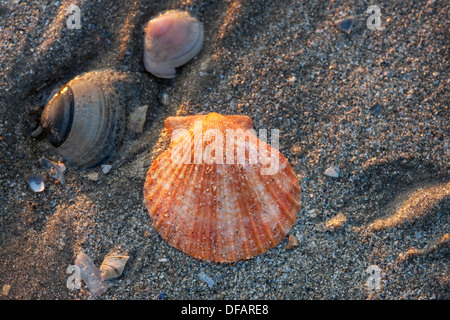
[85, 120]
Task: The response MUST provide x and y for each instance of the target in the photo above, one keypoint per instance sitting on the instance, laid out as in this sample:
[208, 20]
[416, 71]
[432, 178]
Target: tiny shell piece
[292, 242]
[345, 25]
[106, 168]
[137, 118]
[220, 211]
[209, 281]
[113, 265]
[332, 172]
[36, 182]
[5, 290]
[90, 274]
[171, 40]
[55, 170]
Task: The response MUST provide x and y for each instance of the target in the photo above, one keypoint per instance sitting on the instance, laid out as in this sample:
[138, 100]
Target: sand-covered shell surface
[85, 120]
[219, 193]
[171, 40]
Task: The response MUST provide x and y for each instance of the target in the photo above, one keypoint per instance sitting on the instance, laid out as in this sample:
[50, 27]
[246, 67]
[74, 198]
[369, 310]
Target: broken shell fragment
[5, 289]
[219, 210]
[345, 25]
[90, 274]
[84, 120]
[332, 172]
[36, 182]
[292, 242]
[106, 168]
[112, 266]
[209, 281]
[137, 118]
[171, 40]
[55, 170]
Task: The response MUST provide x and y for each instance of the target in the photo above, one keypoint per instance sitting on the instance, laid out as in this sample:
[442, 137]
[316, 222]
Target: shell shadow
[403, 219]
[380, 188]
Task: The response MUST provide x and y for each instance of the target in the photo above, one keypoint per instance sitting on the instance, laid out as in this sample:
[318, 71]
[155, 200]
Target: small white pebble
[93, 176]
[332, 172]
[292, 79]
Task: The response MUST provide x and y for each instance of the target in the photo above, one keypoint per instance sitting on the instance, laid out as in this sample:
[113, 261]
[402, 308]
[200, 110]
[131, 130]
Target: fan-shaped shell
[171, 40]
[220, 211]
[84, 120]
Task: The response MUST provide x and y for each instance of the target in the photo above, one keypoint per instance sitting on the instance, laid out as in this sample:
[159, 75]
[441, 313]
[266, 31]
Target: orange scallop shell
[221, 212]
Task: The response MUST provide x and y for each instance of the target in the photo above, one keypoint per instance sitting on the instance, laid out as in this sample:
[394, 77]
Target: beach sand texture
[372, 103]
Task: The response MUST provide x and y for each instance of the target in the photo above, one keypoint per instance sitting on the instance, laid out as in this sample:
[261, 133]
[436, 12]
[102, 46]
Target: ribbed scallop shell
[219, 212]
[171, 40]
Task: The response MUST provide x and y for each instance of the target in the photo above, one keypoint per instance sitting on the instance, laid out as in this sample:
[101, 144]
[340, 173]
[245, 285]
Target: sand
[372, 103]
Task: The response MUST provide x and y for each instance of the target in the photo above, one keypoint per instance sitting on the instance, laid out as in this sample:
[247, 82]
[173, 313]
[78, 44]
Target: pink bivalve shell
[171, 40]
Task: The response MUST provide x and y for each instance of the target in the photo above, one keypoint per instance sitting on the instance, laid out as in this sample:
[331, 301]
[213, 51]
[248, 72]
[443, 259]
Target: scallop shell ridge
[219, 212]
